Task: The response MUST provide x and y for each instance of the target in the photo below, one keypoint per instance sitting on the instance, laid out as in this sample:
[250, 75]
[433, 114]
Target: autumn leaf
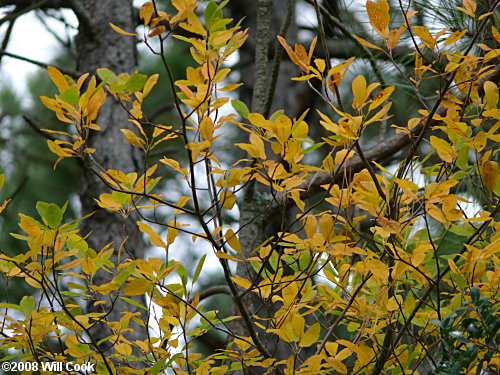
[424, 35]
[378, 14]
[490, 172]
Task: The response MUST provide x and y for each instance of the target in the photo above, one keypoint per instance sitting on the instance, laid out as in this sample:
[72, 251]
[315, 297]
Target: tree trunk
[100, 46]
[255, 225]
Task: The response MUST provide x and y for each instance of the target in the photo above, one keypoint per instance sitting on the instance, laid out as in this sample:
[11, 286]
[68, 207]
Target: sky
[30, 39]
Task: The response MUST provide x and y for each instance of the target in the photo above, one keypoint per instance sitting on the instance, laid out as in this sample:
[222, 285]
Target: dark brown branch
[216, 289]
[20, 9]
[37, 63]
[36, 127]
[6, 38]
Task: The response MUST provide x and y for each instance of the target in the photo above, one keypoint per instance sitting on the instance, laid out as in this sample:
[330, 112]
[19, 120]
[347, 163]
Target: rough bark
[265, 19]
[99, 46]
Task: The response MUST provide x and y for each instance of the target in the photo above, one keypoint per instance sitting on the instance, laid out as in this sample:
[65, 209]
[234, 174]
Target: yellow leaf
[233, 241]
[223, 255]
[426, 37]
[121, 31]
[89, 266]
[310, 336]
[490, 172]
[4, 205]
[445, 151]
[58, 78]
[343, 156]
[154, 237]
[131, 138]
[150, 83]
[258, 143]
[175, 165]
[207, 128]
[136, 287]
[435, 212]
[495, 33]
[470, 7]
[228, 199]
[359, 91]
[490, 95]
[378, 268]
[244, 283]
[58, 150]
[392, 304]
[157, 31]
[146, 12]
[364, 353]
[367, 44]
[328, 163]
[388, 227]
[395, 36]
[123, 349]
[453, 267]
[454, 37]
[173, 231]
[381, 97]
[379, 16]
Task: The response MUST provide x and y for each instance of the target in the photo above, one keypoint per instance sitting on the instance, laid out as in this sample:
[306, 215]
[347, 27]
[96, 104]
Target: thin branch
[84, 17]
[37, 128]
[7, 36]
[19, 11]
[70, 73]
[213, 290]
[348, 33]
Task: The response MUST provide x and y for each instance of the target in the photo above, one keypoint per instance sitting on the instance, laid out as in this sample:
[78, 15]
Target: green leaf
[121, 198]
[27, 305]
[2, 180]
[121, 277]
[275, 115]
[10, 306]
[312, 148]
[181, 271]
[106, 75]
[199, 266]
[212, 12]
[70, 96]
[50, 213]
[240, 107]
[219, 25]
[136, 82]
[132, 302]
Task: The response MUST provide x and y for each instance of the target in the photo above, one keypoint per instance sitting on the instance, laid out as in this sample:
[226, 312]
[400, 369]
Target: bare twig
[19, 11]
[36, 127]
[70, 73]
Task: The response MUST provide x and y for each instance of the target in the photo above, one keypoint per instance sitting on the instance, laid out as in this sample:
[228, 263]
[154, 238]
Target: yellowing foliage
[335, 298]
